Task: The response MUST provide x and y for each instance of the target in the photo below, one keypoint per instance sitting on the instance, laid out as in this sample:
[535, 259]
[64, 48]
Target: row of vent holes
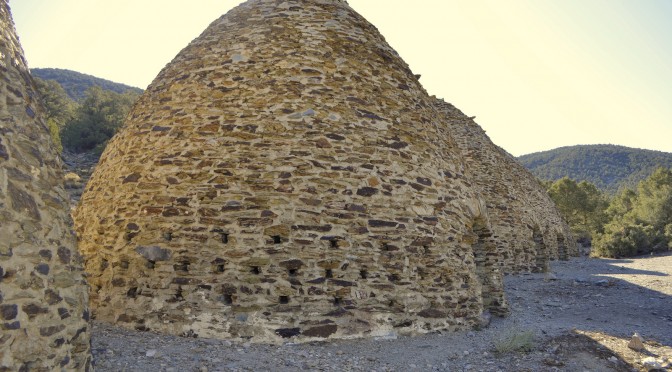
[228, 299]
[328, 273]
[277, 239]
[256, 270]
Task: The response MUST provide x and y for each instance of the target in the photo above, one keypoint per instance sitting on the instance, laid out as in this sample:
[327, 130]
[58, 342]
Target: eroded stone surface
[43, 295]
[286, 176]
[527, 227]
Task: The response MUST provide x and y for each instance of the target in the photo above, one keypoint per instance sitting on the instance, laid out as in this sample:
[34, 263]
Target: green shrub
[630, 240]
[515, 340]
[96, 120]
[55, 135]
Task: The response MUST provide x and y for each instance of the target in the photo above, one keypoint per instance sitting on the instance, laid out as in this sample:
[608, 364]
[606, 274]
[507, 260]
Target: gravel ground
[582, 316]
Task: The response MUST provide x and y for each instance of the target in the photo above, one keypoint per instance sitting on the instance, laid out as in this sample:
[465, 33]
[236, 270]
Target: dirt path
[582, 316]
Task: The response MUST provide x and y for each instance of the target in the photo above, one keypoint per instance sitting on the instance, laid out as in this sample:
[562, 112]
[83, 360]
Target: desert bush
[630, 240]
[515, 340]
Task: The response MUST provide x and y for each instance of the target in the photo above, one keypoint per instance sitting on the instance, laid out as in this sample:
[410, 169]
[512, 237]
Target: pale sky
[537, 74]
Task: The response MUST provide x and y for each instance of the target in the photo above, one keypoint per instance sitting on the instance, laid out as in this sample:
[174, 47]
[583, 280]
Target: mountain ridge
[609, 167]
[76, 83]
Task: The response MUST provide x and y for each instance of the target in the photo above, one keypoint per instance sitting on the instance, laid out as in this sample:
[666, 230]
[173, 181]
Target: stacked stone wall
[526, 224]
[43, 295]
[286, 176]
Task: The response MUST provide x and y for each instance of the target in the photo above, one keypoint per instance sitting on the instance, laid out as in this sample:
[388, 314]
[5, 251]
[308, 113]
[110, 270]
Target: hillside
[76, 83]
[609, 167]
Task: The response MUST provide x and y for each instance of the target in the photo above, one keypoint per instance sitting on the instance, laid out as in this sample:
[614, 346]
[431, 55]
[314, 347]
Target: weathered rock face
[527, 227]
[285, 176]
[43, 296]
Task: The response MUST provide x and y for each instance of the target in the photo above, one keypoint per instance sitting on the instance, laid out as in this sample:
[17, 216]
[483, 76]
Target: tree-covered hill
[75, 83]
[609, 167]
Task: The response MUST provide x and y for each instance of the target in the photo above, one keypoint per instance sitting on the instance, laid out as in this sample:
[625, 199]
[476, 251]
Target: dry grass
[515, 340]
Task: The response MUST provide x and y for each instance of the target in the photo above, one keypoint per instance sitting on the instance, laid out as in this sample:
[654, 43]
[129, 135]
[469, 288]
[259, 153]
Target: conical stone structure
[286, 176]
[527, 226]
[43, 296]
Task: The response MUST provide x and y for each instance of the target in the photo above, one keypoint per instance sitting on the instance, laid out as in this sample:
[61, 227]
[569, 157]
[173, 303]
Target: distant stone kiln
[43, 295]
[527, 226]
[286, 176]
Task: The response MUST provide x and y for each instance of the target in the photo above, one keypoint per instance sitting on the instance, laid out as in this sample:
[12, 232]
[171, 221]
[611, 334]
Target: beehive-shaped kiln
[526, 224]
[285, 176]
[43, 296]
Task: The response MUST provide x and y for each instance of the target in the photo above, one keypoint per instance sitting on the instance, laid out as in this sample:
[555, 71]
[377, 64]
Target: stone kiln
[43, 295]
[287, 176]
[526, 224]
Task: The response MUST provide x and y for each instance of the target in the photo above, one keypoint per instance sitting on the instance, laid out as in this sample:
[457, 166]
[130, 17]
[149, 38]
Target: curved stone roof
[526, 224]
[43, 295]
[287, 176]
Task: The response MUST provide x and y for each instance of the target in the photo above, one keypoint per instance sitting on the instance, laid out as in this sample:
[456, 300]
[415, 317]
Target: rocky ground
[578, 318]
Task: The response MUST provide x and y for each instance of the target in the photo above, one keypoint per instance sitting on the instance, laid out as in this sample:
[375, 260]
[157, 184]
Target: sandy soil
[581, 316]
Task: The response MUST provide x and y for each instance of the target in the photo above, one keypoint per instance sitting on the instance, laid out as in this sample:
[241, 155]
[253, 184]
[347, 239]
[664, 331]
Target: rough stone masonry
[526, 224]
[43, 296]
[286, 176]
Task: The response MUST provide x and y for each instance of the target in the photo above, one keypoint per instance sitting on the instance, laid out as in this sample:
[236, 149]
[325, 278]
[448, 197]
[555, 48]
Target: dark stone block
[321, 331]
[186, 281]
[380, 223]
[154, 253]
[367, 191]
[432, 313]
[355, 208]
[417, 186]
[170, 212]
[337, 313]
[63, 313]
[3, 151]
[288, 332]
[398, 145]
[51, 297]
[318, 228]
[342, 283]
[11, 326]
[52, 330]
[16, 175]
[133, 177]
[79, 332]
[64, 255]
[424, 181]
[22, 202]
[368, 114]
[9, 312]
[34, 310]
[228, 289]
[158, 128]
[42, 269]
[334, 136]
[292, 264]
[45, 253]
